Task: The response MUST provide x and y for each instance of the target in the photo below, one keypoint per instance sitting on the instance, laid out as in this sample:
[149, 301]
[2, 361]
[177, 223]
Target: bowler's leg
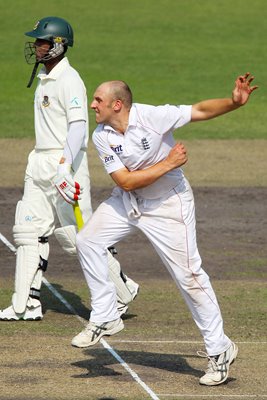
[107, 226]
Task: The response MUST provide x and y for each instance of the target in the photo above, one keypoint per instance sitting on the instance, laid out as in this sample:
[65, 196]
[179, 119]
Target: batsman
[58, 160]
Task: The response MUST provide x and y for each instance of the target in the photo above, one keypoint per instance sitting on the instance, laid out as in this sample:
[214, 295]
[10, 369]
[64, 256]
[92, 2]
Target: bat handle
[78, 215]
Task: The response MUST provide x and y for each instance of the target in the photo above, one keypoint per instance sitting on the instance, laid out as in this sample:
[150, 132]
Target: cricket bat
[78, 215]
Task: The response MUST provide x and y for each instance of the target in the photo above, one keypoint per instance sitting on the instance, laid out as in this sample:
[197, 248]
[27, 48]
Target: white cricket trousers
[42, 200]
[170, 227]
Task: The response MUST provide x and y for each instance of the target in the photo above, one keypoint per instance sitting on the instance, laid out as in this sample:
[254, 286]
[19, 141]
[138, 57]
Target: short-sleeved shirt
[147, 140]
[60, 98]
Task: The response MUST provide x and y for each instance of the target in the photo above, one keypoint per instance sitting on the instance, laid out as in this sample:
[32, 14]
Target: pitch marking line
[7, 243]
[153, 395]
[174, 341]
[84, 322]
[194, 396]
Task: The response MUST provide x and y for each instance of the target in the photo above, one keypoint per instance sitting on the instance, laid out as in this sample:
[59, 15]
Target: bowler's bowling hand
[242, 89]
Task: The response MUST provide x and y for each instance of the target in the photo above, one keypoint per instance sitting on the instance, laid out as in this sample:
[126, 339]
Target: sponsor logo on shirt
[117, 149]
[145, 143]
[46, 101]
[75, 102]
[108, 159]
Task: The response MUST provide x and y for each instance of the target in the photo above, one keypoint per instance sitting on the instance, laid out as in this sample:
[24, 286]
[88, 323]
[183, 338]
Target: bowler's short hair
[121, 91]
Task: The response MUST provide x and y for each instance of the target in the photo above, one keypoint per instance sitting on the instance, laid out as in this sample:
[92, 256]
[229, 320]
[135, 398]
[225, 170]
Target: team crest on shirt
[116, 148]
[45, 101]
[145, 144]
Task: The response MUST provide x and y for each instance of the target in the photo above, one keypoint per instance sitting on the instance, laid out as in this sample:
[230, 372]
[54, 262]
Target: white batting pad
[66, 236]
[27, 260]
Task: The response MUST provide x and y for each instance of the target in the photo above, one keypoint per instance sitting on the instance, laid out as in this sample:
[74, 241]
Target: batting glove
[70, 191]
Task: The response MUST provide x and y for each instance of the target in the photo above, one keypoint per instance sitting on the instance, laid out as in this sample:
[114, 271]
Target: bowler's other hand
[242, 89]
[177, 156]
[70, 190]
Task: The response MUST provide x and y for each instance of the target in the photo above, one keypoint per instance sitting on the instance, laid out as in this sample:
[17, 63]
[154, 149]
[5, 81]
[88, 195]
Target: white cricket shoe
[218, 367]
[30, 314]
[132, 286]
[122, 308]
[94, 331]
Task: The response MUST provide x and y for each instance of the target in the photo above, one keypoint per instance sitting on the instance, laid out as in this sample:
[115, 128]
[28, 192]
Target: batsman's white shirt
[60, 98]
[147, 140]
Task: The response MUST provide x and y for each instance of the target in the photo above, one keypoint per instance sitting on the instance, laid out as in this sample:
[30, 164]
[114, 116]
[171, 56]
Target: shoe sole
[232, 359]
[111, 332]
[21, 319]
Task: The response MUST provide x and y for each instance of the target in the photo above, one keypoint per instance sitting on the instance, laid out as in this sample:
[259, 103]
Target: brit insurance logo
[108, 159]
[116, 148]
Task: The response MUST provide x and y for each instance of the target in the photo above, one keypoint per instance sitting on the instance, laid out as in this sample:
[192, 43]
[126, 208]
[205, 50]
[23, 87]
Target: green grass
[169, 51]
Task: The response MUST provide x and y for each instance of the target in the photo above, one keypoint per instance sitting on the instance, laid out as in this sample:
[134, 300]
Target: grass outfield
[168, 51]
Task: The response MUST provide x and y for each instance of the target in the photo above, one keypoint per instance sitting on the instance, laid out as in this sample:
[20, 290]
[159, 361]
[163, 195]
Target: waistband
[132, 202]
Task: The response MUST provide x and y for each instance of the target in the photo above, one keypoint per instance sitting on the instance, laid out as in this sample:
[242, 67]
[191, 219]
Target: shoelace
[94, 327]
[212, 364]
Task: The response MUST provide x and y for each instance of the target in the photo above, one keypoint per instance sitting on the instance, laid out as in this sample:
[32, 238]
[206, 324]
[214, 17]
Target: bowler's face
[102, 104]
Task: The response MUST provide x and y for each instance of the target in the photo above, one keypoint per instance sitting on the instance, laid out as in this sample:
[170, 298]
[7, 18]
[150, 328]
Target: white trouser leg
[106, 227]
[171, 230]
[174, 238]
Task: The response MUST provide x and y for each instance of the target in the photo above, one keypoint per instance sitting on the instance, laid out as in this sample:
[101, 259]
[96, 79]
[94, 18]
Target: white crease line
[174, 341]
[61, 298]
[238, 396]
[128, 369]
[84, 322]
[7, 243]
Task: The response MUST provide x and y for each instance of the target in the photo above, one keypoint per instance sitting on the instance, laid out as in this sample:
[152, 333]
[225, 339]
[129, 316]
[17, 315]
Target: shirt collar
[132, 120]
[56, 71]
[133, 116]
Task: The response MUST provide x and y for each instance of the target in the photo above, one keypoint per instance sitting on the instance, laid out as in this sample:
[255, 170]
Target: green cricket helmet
[53, 29]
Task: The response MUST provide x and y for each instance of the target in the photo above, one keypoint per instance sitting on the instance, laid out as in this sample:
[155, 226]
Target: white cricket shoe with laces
[30, 314]
[94, 332]
[218, 366]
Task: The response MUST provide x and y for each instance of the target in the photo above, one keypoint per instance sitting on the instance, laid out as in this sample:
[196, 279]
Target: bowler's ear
[117, 105]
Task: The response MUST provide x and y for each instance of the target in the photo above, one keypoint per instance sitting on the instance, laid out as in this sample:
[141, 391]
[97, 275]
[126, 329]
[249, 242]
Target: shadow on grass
[50, 302]
[100, 363]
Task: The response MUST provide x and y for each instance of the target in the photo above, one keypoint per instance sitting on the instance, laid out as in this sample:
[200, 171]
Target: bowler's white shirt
[147, 140]
[60, 98]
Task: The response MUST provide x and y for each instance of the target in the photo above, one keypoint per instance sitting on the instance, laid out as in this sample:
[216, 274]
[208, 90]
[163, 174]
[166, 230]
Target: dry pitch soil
[231, 231]
[230, 189]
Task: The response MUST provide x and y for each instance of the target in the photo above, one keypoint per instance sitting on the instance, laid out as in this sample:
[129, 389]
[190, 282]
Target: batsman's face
[42, 47]
[103, 105]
